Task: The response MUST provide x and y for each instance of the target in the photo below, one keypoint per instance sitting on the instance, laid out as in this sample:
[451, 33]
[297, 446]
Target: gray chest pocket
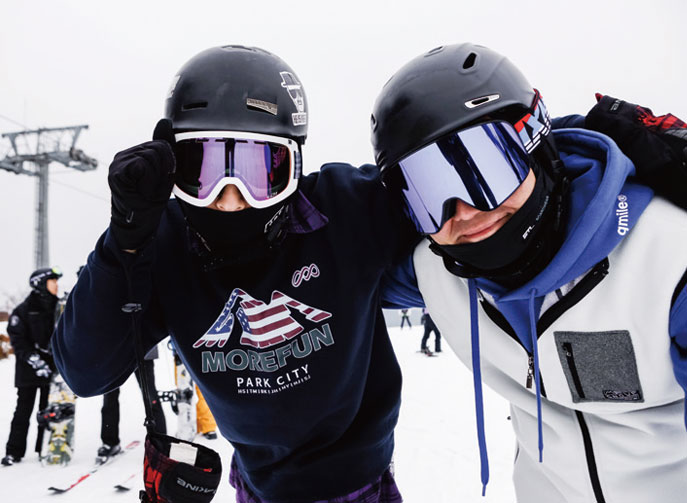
[599, 366]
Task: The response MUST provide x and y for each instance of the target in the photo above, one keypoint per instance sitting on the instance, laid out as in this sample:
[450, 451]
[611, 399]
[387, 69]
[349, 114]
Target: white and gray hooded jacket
[608, 309]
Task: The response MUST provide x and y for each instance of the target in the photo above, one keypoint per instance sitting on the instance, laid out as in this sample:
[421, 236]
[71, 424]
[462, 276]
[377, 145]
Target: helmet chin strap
[524, 246]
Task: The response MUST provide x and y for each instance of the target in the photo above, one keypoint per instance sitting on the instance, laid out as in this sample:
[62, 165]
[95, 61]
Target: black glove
[656, 145]
[677, 139]
[141, 180]
[39, 366]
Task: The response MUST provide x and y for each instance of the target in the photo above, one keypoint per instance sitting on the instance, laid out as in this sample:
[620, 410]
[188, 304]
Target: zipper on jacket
[575, 295]
[497, 317]
[591, 460]
[529, 381]
[530, 372]
[567, 347]
[578, 292]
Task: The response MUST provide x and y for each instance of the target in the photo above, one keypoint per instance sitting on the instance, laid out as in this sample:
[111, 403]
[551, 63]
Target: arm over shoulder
[678, 334]
[93, 344]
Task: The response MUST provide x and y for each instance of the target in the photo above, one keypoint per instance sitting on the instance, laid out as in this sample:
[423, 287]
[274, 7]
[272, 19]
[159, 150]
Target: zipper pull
[530, 372]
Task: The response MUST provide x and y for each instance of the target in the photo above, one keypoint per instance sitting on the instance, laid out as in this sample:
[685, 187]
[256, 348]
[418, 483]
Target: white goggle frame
[290, 188]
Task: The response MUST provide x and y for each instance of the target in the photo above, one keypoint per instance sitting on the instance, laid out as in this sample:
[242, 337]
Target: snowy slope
[436, 457]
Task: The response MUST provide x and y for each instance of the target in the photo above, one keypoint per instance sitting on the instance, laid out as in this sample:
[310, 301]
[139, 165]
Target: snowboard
[57, 423]
[427, 352]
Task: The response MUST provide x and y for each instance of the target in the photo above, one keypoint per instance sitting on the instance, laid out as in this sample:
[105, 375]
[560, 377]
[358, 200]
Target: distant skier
[405, 318]
[30, 326]
[429, 328]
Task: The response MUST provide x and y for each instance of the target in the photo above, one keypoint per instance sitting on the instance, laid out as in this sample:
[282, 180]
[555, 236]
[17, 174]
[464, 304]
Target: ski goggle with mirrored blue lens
[481, 165]
[264, 168]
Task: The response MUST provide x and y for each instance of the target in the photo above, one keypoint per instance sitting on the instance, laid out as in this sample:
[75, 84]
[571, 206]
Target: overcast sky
[109, 65]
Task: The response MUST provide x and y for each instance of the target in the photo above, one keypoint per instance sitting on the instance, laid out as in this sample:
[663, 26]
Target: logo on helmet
[293, 87]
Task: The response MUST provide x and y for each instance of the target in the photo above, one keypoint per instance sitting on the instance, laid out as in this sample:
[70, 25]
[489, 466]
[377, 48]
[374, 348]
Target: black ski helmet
[452, 87]
[440, 91]
[39, 278]
[237, 88]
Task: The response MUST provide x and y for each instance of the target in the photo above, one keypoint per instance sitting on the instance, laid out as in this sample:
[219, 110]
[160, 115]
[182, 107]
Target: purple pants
[382, 490]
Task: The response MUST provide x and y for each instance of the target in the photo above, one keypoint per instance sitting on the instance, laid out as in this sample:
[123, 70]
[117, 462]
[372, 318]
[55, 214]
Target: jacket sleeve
[568, 121]
[396, 234]
[399, 286]
[678, 335]
[93, 344]
[17, 329]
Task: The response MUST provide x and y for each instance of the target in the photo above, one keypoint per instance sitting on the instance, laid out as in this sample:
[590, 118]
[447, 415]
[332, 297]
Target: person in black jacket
[429, 328]
[30, 326]
[109, 413]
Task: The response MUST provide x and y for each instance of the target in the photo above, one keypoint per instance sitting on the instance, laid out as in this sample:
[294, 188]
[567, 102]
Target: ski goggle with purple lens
[264, 168]
[481, 165]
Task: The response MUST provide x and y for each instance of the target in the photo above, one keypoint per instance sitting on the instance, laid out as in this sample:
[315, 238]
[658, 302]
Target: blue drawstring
[477, 382]
[537, 386]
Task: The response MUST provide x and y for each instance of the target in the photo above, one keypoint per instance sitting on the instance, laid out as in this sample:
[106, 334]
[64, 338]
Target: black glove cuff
[655, 155]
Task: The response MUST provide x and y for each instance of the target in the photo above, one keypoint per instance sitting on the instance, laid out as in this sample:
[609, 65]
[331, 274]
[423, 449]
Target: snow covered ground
[436, 457]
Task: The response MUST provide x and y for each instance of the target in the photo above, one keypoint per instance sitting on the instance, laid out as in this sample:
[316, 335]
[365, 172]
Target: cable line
[96, 196]
[13, 121]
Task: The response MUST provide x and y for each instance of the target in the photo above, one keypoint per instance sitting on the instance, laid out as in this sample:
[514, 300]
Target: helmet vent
[435, 50]
[232, 47]
[474, 103]
[469, 61]
[194, 106]
[262, 105]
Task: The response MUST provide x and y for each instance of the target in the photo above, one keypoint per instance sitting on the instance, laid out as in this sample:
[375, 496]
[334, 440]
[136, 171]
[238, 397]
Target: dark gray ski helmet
[237, 88]
[440, 91]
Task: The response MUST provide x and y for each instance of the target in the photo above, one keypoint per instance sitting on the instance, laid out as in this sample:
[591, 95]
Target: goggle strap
[534, 125]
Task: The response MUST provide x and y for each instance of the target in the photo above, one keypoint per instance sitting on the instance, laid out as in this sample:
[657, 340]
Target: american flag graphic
[263, 325]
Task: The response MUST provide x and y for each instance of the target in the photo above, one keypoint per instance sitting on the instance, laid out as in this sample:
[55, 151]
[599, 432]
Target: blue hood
[603, 207]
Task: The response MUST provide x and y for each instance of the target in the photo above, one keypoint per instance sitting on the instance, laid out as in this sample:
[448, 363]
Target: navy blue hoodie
[291, 353]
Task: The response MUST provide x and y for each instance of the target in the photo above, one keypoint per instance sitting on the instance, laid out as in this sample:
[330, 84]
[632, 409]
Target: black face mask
[236, 237]
[521, 248]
